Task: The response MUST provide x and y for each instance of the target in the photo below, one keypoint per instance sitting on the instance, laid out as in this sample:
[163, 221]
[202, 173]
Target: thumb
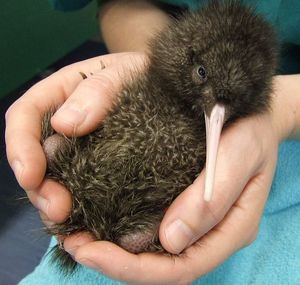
[190, 216]
[95, 95]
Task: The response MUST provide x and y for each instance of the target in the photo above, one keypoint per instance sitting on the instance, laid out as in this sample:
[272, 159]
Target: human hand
[83, 105]
[245, 168]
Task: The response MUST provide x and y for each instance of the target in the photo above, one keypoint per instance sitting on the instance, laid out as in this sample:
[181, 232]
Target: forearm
[286, 106]
[128, 25]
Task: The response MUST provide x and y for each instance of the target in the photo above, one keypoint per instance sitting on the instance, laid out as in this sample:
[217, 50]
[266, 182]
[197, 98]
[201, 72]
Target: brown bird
[206, 69]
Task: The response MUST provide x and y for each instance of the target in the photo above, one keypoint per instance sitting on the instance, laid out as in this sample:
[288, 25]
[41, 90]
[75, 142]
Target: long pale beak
[213, 124]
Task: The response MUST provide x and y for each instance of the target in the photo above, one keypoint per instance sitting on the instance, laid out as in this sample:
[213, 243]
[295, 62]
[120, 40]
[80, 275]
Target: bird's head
[219, 61]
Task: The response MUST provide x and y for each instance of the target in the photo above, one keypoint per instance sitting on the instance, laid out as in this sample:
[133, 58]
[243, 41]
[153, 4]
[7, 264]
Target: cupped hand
[205, 234]
[210, 232]
[83, 104]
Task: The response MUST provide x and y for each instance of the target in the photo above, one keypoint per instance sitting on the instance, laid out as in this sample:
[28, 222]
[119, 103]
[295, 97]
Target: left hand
[245, 168]
[83, 105]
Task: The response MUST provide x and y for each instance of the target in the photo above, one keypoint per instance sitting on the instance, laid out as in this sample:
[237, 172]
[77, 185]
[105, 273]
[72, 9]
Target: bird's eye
[201, 72]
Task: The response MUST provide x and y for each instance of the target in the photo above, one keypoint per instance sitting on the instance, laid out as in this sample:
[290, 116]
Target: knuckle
[217, 211]
[251, 238]
[17, 107]
[65, 69]
[11, 110]
[102, 83]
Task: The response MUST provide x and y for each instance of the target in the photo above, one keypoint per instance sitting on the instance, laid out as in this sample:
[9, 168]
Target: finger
[190, 217]
[89, 103]
[119, 264]
[74, 241]
[94, 96]
[53, 200]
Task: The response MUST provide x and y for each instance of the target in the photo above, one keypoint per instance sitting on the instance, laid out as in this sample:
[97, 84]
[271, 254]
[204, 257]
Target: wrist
[285, 106]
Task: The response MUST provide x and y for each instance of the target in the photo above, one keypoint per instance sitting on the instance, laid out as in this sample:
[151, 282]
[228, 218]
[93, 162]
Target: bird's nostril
[137, 242]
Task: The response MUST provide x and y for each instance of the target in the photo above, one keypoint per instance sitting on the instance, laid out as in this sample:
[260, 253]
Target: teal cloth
[274, 257]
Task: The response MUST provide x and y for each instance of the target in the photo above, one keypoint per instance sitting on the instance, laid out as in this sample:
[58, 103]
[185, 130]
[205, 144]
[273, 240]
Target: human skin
[245, 168]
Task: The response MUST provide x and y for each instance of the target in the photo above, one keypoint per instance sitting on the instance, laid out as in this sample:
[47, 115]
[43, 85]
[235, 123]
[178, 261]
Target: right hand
[83, 105]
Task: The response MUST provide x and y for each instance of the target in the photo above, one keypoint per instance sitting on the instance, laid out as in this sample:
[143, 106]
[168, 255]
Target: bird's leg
[213, 124]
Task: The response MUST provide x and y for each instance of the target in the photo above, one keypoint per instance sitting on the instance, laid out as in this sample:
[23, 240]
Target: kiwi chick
[152, 145]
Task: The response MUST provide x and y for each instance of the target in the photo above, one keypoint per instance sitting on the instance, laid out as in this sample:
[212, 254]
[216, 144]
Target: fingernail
[71, 114]
[178, 235]
[89, 263]
[17, 168]
[42, 204]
